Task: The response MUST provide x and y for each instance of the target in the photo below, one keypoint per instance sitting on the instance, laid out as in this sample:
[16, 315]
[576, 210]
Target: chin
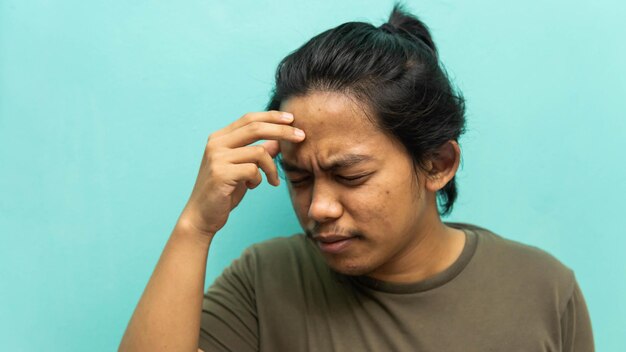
[349, 269]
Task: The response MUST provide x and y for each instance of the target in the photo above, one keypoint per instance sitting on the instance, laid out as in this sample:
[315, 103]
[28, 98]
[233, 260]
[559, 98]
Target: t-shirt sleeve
[229, 315]
[576, 324]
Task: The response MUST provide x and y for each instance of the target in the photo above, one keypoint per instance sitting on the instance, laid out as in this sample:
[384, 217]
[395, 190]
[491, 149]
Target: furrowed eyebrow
[343, 161]
[289, 167]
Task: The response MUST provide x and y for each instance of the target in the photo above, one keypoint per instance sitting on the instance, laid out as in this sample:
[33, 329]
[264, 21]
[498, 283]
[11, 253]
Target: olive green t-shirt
[499, 295]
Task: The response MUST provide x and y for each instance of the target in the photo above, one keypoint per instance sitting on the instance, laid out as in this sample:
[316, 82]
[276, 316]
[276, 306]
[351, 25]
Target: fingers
[235, 174]
[272, 147]
[255, 180]
[230, 150]
[255, 131]
[272, 116]
[258, 155]
[247, 173]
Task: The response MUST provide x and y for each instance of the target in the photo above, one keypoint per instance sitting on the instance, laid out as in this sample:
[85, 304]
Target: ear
[442, 166]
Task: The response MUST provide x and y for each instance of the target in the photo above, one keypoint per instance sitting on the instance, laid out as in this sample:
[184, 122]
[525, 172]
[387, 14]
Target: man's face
[353, 188]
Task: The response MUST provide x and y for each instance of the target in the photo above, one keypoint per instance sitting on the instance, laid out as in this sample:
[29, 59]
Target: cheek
[300, 204]
[387, 208]
[372, 209]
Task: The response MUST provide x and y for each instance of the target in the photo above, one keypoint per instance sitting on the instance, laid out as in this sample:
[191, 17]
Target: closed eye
[299, 181]
[352, 180]
[347, 180]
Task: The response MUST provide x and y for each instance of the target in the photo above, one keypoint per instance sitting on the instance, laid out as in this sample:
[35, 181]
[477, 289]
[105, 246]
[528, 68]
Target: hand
[230, 166]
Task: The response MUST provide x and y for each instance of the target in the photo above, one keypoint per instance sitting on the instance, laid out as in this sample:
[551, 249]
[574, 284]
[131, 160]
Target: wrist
[185, 228]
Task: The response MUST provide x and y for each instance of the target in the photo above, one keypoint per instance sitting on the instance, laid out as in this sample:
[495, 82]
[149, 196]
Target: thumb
[272, 147]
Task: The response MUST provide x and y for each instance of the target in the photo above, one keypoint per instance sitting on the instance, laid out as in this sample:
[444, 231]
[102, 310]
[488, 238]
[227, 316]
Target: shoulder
[519, 264]
[281, 254]
[270, 261]
[502, 250]
[286, 267]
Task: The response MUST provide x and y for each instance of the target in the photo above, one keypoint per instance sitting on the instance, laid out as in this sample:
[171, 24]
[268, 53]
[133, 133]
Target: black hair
[395, 70]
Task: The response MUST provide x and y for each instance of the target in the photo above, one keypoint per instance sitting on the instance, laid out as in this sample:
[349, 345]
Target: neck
[434, 249]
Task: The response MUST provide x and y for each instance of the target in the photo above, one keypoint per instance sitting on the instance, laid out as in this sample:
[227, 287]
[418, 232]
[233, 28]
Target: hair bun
[412, 27]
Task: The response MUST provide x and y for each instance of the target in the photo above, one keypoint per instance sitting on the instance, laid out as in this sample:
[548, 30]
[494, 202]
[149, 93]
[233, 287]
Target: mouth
[333, 244]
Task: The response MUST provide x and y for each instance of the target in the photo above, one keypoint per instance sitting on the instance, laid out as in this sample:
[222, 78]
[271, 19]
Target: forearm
[167, 316]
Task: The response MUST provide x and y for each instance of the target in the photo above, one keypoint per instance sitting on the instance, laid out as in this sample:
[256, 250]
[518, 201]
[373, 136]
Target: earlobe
[443, 166]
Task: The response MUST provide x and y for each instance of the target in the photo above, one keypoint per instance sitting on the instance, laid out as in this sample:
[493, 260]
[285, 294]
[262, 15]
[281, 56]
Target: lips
[333, 244]
[330, 238]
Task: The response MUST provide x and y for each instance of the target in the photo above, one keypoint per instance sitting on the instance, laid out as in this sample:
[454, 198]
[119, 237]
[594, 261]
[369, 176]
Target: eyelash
[298, 182]
[349, 179]
[344, 179]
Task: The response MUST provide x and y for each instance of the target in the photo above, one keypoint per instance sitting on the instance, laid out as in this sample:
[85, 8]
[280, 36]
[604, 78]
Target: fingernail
[298, 132]
[287, 116]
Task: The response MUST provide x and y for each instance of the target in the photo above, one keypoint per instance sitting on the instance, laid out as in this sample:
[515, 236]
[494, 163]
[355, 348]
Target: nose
[324, 204]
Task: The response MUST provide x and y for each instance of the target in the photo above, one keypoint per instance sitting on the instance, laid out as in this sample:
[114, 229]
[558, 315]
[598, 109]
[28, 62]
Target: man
[377, 270]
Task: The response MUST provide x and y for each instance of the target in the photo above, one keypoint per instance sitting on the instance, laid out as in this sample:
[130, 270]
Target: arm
[167, 316]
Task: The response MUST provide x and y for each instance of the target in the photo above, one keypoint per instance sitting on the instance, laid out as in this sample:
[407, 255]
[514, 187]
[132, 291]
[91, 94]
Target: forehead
[326, 110]
[334, 123]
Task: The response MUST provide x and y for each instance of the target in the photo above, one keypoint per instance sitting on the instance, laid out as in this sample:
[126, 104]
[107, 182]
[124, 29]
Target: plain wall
[105, 108]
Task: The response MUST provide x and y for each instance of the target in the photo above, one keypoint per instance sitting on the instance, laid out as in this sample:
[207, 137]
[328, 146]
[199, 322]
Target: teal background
[105, 107]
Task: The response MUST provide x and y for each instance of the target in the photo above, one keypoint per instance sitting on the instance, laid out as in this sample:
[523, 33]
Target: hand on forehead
[333, 123]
